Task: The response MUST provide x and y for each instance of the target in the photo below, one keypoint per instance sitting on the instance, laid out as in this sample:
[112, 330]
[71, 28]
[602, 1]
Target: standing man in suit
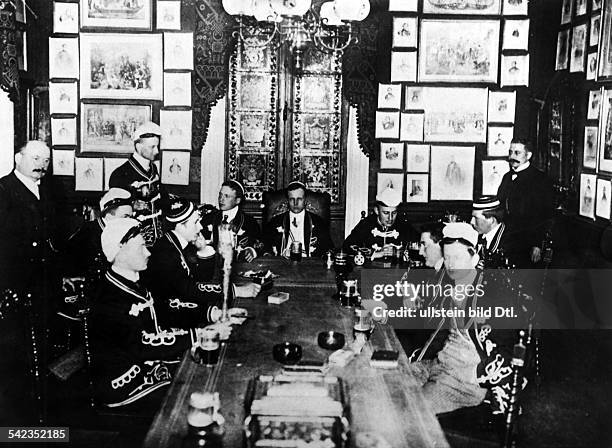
[246, 228]
[140, 177]
[527, 197]
[297, 225]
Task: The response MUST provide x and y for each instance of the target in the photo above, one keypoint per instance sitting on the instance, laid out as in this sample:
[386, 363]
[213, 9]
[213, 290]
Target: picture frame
[391, 156]
[405, 32]
[581, 7]
[88, 174]
[566, 11]
[411, 126]
[604, 59]
[498, 141]
[178, 51]
[502, 107]
[453, 7]
[108, 128]
[515, 7]
[578, 52]
[177, 89]
[515, 70]
[414, 98]
[65, 18]
[63, 97]
[387, 124]
[588, 186]
[63, 131]
[516, 34]
[471, 56]
[403, 66]
[318, 93]
[417, 158]
[591, 68]
[64, 57]
[563, 45]
[110, 165]
[317, 134]
[253, 170]
[602, 206]
[589, 149]
[417, 188]
[254, 91]
[605, 133]
[492, 173]
[176, 128]
[102, 61]
[594, 30]
[135, 14]
[62, 162]
[175, 168]
[389, 96]
[390, 180]
[316, 171]
[469, 107]
[452, 173]
[404, 5]
[593, 106]
[253, 128]
[168, 15]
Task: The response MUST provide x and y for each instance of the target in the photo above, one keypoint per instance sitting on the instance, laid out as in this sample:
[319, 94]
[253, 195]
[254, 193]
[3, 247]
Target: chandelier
[296, 23]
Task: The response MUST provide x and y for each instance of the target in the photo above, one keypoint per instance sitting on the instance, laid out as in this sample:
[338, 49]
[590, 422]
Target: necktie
[294, 222]
[225, 219]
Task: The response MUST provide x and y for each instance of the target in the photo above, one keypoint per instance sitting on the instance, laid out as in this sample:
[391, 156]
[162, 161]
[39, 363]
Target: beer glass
[363, 325]
[295, 253]
[207, 348]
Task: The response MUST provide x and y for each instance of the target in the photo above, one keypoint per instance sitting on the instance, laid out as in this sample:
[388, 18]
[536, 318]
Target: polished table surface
[386, 402]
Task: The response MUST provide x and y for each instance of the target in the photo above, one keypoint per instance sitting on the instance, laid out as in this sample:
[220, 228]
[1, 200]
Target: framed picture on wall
[88, 174]
[587, 196]
[414, 98]
[562, 50]
[254, 91]
[594, 104]
[116, 14]
[492, 173]
[591, 69]
[566, 11]
[469, 108]
[177, 89]
[109, 128]
[501, 107]
[122, 66]
[176, 126]
[604, 70]
[63, 131]
[168, 15]
[499, 141]
[253, 170]
[403, 66]
[603, 198]
[389, 96]
[404, 5]
[594, 32]
[66, 18]
[515, 70]
[605, 133]
[392, 156]
[417, 159]
[63, 98]
[387, 124]
[516, 35]
[405, 32]
[63, 162]
[178, 51]
[417, 187]
[578, 52]
[317, 132]
[452, 173]
[411, 127]
[515, 7]
[253, 129]
[581, 7]
[390, 180]
[491, 7]
[589, 155]
[64, 57]
[110, 165]
[471, 56]
[318, 93]
[316, 171]
[175, 168]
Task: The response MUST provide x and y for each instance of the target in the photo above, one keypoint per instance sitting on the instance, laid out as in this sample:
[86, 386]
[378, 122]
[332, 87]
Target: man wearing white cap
[140, 177]
[380, 230]
[297, 225]
[249, 245]
[488, 220]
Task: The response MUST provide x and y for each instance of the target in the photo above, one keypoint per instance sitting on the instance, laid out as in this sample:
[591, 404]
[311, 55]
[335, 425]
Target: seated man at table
[297, 225]
[132, 356]
[380, 230]
[249, 245]
[170, 273]
[465, 359]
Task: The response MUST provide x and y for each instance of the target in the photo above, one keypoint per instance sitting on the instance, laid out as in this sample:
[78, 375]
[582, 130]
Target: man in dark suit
[249, 245]
[527, 197]
[140, 177]
[297, 225]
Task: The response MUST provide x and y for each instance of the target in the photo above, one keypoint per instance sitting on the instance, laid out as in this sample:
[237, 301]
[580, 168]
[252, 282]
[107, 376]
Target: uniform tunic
[245, 227]
[369, 233]
[317, 240]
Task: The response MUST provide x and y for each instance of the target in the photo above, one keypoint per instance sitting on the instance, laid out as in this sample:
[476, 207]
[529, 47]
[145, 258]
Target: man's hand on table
[247, 290]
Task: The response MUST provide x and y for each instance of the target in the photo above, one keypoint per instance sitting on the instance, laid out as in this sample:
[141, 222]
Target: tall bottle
[204, 431]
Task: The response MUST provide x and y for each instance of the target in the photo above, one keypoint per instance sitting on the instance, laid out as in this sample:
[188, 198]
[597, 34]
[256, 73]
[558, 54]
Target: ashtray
[287, 353]
[331, 340]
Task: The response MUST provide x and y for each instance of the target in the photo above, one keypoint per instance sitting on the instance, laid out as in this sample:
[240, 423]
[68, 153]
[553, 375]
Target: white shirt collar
[491, 234]
[145, 163]
[30, 184]
[438, 265]
[126, 273]
[231, 214]
[298, 216]
[522, 167]
[182, 241]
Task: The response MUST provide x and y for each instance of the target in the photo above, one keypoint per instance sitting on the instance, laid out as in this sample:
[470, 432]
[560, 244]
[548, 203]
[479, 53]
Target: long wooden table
[386, 402]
